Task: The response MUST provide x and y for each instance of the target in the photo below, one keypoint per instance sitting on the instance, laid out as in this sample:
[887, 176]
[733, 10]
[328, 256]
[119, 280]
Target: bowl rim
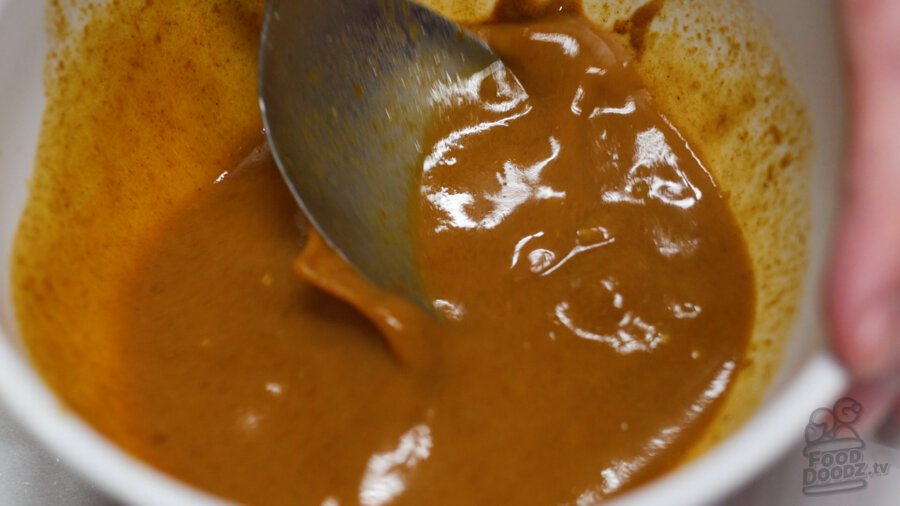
[124, 477]
[759, 442]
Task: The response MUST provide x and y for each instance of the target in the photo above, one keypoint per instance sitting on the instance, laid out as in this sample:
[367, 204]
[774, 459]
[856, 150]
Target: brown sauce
[595, 291]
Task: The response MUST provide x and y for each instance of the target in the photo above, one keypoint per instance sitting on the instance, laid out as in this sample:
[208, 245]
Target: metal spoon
[347, 92]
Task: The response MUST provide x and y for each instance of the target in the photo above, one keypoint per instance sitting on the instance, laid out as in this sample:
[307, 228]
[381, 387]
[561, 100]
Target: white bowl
[808, 377]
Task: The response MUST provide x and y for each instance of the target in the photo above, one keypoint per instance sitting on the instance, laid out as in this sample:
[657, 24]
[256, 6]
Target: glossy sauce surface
[595, 293]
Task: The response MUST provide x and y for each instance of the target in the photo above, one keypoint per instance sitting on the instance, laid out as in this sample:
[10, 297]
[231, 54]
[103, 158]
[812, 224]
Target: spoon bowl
[347, 91]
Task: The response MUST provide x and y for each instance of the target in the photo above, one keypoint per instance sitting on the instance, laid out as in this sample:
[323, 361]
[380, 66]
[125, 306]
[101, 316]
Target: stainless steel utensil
[347, 90]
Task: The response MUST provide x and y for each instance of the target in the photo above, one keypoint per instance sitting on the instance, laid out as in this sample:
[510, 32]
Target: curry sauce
[594, 292]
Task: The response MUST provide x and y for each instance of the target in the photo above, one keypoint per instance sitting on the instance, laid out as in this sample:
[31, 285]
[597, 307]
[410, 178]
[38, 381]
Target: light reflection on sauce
[386, 473]
[653, 161]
